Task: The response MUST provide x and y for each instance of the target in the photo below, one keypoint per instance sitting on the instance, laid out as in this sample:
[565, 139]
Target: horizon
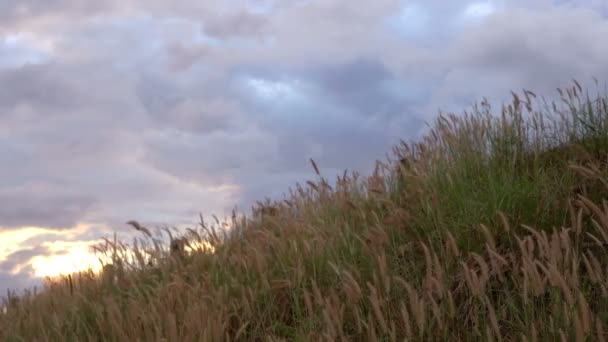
[157, 112]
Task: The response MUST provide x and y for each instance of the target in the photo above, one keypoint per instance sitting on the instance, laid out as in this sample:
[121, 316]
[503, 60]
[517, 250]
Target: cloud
[42, 206]
[239, 24]
[15, 50]
[540, 53]
[36, 85]
[16, 260]
[365, 86]
[16, 273]
[16, 283]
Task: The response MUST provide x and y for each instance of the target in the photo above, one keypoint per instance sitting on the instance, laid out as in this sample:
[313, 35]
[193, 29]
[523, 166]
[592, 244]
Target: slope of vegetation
[493, 227]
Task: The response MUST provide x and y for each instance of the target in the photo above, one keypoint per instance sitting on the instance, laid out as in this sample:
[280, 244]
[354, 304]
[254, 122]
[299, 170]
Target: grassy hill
[493, 227]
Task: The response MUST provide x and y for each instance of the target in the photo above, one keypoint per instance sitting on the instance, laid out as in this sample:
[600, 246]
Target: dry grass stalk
[332, 263]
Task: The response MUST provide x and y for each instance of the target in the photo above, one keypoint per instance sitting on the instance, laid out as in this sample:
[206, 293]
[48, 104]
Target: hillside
[493, 227]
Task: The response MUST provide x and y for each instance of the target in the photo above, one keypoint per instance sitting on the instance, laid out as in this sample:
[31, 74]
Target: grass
[493, 227]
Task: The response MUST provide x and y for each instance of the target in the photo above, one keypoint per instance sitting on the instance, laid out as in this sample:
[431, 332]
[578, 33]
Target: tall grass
[493, 227]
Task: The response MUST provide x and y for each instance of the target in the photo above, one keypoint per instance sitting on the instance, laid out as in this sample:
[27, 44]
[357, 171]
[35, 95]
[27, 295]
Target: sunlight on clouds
[70, 257]
[78, 257]
[65, 256]
[12, 239]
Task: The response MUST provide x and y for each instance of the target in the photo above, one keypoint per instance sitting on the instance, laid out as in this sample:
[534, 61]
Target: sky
[156, 111]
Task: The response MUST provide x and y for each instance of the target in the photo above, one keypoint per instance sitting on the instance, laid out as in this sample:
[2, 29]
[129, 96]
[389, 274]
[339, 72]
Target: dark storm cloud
[365, 86]
[291, 116]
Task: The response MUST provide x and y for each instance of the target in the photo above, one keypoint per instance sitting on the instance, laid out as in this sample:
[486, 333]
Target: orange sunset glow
[63, 256]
